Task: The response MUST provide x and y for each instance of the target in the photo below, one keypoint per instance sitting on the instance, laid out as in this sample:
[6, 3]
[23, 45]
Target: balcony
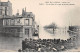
[28, 26]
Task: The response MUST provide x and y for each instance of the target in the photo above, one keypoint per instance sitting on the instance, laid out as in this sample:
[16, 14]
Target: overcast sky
[62, 15]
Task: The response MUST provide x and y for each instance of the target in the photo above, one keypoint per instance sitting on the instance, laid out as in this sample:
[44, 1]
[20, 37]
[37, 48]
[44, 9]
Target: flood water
[14, 43]
[10, 43]
[59, 34]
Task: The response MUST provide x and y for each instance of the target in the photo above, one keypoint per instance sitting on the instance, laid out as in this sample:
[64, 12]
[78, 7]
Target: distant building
[74, 28]
[18, 25]
[5, 9]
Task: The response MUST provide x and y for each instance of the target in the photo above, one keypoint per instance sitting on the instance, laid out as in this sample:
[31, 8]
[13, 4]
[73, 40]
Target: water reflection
[58, 33]
[10, 43]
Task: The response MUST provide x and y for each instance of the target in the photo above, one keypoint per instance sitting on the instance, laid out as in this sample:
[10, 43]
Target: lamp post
[38, 31]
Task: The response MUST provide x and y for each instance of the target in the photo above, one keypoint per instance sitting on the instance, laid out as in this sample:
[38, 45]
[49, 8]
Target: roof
[3, 3]
[75, 26]
[12, 17]
[28, 14]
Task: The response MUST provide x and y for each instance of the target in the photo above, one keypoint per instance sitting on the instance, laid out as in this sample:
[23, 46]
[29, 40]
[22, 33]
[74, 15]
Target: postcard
[39, 25]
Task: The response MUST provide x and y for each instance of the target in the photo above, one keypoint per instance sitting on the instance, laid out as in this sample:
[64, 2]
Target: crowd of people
[46, 45]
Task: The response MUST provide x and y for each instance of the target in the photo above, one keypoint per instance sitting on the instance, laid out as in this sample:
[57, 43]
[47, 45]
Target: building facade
[17, 25]
[5, 8]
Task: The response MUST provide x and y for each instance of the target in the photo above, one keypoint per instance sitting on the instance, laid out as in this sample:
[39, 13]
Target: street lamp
[38, 31]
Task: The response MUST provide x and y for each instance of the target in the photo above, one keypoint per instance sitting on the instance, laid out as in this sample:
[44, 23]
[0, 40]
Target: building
[5, 9]
[17, 25]
[74, 28]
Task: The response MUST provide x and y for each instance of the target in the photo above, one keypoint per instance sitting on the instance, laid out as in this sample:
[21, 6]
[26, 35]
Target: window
[0, 12]
[27, 32]
[5, 10]
[7, 22]
[12, 22]
[18, 30]
[26, 21]
[13, 30]
[28, 16]
[18, 20]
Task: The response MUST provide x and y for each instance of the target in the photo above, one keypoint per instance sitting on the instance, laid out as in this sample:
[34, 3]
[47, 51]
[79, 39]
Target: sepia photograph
[39, 26]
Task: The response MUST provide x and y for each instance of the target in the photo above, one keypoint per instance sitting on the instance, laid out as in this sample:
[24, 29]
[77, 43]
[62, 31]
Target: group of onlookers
[46, 45]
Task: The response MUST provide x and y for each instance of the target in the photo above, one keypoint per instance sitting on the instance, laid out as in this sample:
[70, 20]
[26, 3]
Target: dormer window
[29, 15]
[26, 22]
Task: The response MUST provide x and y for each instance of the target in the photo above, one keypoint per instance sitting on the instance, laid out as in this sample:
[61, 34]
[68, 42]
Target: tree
[52, 25]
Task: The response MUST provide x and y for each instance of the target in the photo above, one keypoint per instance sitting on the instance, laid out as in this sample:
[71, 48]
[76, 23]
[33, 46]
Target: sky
[62, 15]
